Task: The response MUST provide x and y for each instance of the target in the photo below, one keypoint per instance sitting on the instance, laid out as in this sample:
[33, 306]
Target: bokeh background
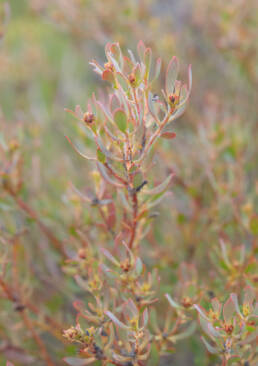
[45, 49]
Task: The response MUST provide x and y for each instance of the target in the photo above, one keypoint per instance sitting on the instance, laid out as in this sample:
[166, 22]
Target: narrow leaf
[161, 187]
[73, 361]
[120, 119]
[172, 302]
[171, 75]
[228, 310]
[115, 320]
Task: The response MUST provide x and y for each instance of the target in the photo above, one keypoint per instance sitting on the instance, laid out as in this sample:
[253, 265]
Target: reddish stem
[31, 213]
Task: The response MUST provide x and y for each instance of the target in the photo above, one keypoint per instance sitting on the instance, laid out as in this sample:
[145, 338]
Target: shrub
[128, 312]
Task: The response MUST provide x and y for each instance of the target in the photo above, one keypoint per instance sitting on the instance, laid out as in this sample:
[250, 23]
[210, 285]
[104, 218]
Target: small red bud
[88, 117]
[81, 253]
[173, 99]
[132, 79]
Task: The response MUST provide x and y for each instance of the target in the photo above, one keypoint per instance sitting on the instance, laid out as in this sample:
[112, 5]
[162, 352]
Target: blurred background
[45, 49]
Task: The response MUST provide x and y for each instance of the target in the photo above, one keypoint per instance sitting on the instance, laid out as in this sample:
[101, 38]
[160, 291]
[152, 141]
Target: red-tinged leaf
[114, 103]
[171, 75]
[109, 256]
[137, 73]
[128, 66]
[180, 110]
[229, 310]
[201, 312]
[132, 308]
[224, 253]
[79, 111]
[78, 152]
[151, 107]
[138, 266]
[145, 317]
[168, 135]
[157, 198]
[107, 50]
[73, 113]
[161, 187]
[235, 301]
[73, 361]
[132, 57]
[122, 81]
[172, 302]
[249, 296]
[157, 69]
[105, 151]
[107, 75]
[111, 218]
[147, 61]
[115, 320]
[115, 50]
[96, 67]
[106, 177]
[120, 119]
[141, 49]
[216, 305]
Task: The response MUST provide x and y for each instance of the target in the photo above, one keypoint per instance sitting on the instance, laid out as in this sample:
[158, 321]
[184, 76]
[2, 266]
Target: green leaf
[101, 157]
[229, 310]
[254, 225]
[73, 361]
[161, 187]
[122, 81]
[115, 320]
[172, 302]
[120, 119]
[154, 356]
[171, 75]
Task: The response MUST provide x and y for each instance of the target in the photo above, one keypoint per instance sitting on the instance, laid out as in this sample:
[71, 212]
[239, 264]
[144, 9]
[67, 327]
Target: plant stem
[31, 213]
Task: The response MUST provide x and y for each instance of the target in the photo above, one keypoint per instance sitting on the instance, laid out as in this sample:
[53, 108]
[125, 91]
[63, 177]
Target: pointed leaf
[249, 295]
[172, 302]
[168, 135]
[120, 119]
[201, 312]
[186, 333]
[108, 255]
[73, 361]
[115, 320]
[145, 317]
[161, 187]
[228, 310]
[171, 75]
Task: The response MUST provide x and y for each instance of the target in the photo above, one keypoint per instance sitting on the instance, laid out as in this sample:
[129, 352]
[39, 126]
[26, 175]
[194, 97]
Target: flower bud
[88, 117]
[132, 79]
[173, 100]
[109, 66]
